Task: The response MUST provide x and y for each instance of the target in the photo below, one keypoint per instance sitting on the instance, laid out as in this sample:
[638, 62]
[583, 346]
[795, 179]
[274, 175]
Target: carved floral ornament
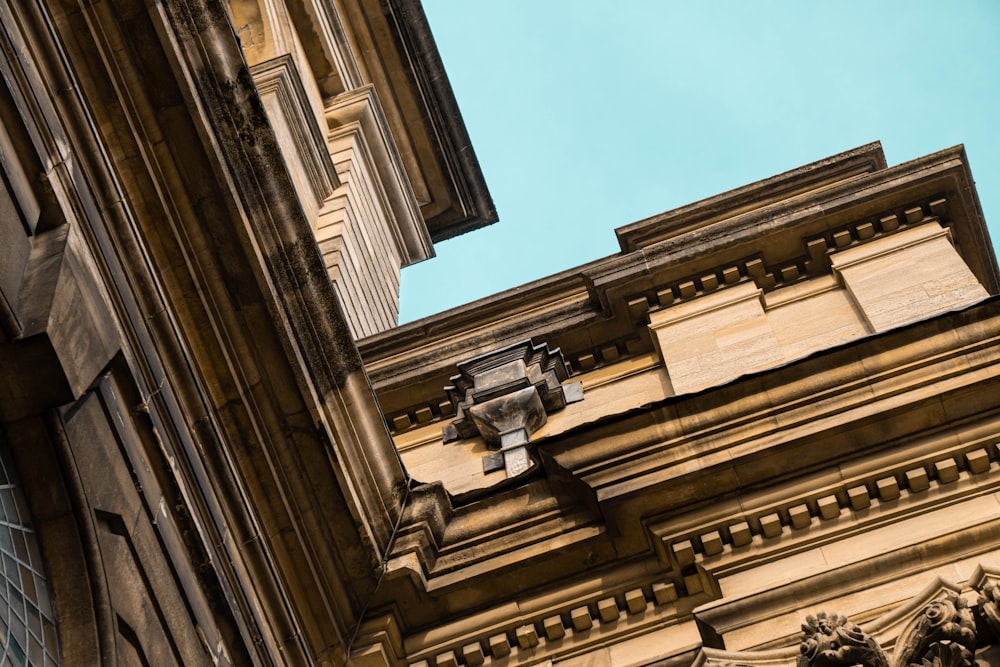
[944, 634]
[955, 629]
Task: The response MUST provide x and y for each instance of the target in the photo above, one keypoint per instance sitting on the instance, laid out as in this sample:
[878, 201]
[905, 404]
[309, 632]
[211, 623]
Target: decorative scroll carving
[507, 395]
[833, 641]
[943, 629]
[989, 606]
[946, 655]
[944, 635]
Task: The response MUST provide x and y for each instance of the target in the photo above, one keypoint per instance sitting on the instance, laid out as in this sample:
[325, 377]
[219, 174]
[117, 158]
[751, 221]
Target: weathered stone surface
[908, 276]
[778, 437]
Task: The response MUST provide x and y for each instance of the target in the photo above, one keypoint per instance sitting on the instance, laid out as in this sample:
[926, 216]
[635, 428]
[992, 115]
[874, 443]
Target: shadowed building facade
[764, 432]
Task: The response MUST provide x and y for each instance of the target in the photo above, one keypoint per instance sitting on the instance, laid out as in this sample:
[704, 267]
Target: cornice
[801, 182]
[474, 199]
[395, 52]
[597, 313]
[697, 487]
[358, 114]
[280, 78]
[814, 400]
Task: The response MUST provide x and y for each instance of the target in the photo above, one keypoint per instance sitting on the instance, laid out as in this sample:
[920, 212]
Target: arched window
[27, 625]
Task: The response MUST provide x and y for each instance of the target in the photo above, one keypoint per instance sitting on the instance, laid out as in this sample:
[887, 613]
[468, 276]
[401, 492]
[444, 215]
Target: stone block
[713, 339]
[913, 215]
[607, 609]
[813, 315]
[887, 489]
[638, 307]
[553, 628]
[946, 471]
[698, 581]
[859, 498]
[740, 534]
[684, 552]
[799, 516]
[499, 646]
[978, 460]
[908, 276]
[711, 543]
[635, 601]
[828, 506]
[581, 619]
[472, 654]
[770, 525]
[527, 636]
[916, 480]
[889, 223]
[401, 423]
[446, 659]
[303, 145]
[69, 330]
[664, 593]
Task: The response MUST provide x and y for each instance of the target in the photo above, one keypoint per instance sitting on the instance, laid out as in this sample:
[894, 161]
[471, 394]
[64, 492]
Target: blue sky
[589, 115]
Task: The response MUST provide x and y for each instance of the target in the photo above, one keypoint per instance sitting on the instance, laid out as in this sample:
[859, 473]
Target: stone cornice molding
[798, 405]
[824, 507]
[603, 306]
[396, 53]
[280, 78]
[776, 191]
[550, 624]
[474, 199]
[351, 43]
[330, 55]
[358, 115]
[619, 473]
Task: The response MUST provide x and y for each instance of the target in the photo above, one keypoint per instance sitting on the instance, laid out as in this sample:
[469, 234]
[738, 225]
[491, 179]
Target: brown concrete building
[771, 411]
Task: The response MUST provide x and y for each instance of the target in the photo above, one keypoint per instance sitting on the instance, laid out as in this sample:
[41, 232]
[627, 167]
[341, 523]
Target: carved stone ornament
[833, 641]
[989, 606]
[949, 625]
[505, 396]
[943, 635]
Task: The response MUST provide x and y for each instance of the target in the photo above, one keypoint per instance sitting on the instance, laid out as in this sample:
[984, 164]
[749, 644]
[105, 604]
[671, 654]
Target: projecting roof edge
[592, 304]
[801, 180]
[446, 120]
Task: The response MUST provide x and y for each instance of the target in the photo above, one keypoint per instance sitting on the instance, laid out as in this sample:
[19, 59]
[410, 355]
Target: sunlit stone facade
[763, 432]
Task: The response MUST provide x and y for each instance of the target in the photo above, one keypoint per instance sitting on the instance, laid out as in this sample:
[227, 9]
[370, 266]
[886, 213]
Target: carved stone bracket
[505, 396]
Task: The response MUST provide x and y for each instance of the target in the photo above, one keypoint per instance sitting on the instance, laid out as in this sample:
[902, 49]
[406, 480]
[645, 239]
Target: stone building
[772, 411]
